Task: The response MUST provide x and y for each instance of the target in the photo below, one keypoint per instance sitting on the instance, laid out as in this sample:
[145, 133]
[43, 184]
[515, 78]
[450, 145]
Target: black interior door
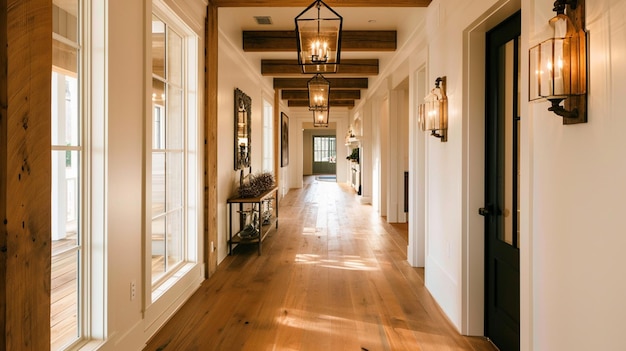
[501, 209]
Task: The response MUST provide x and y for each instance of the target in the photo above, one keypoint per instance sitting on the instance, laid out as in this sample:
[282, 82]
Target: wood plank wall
[25, 168]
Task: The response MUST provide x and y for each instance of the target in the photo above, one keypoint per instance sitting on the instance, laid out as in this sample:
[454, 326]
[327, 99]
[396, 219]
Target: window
[172, 232]
[325, 149]
[268, 136]
[66, 314]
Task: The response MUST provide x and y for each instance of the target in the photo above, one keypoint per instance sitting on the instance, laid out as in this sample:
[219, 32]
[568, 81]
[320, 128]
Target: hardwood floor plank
[333, 276]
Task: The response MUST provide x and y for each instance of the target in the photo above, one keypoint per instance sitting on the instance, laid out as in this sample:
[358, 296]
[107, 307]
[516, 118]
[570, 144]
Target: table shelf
[251, 206]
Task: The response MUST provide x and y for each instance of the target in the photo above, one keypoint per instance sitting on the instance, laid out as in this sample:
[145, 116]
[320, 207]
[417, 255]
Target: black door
[501, 209]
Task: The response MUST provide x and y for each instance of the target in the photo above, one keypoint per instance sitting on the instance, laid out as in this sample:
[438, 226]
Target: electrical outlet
[133, 290]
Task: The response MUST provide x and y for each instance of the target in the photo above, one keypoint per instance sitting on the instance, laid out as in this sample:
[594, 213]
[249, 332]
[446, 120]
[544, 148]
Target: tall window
[67, 177]
[268, 136]
[173, 228]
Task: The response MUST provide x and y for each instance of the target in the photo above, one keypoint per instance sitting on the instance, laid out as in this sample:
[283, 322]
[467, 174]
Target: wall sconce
[320, 118]
[318, 33]
[433, 113]
[558, 65]
[319, 93]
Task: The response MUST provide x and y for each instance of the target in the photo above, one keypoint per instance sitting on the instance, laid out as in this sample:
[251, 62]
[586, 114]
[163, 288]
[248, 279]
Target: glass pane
[158, 183]
[65, 117]
[174, 58]
[509, 153]
[65, 58]
[158, 247]
[65, 199]
[174, 180]
[158, 47]
[66, 176]
[65, 19]
[174, 118]
[158, 114]
[64, 300]
[174, 238]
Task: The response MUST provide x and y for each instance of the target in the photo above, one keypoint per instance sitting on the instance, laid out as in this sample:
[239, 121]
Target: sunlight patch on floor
[352, 263]
[328, 326]
[313, 231]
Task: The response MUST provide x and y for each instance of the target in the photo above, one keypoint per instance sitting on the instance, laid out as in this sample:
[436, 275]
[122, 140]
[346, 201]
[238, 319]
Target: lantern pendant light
[318, 34]
[319, 93]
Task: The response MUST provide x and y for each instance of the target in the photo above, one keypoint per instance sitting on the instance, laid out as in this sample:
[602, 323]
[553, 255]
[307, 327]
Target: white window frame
[163, 298]
[92, 88]
[268, 136]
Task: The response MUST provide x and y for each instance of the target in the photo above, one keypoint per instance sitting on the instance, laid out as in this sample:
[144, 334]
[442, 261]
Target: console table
[251, 231]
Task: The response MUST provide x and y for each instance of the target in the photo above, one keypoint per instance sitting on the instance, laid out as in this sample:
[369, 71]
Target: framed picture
[284, 140]
[243, 115]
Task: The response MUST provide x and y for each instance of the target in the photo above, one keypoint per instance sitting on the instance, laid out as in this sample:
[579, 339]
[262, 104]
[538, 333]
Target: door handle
[483, 211]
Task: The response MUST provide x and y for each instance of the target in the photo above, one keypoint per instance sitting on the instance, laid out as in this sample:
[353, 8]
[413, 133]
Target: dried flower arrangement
[256, 184]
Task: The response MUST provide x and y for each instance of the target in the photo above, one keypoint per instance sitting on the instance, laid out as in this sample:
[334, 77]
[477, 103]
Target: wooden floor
[334, 276]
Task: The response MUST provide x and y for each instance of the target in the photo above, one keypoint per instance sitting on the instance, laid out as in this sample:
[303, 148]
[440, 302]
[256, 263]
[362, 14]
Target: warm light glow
[318, 36]
[319, 51]
[318, 101]
[432, 114]
[558, 63]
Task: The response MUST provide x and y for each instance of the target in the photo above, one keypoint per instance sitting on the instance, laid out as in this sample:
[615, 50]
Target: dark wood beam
[334, 95]
[305, 3]
[333, 103]
[25, 173]
[335, 83]
[365, 67]
[351, 40]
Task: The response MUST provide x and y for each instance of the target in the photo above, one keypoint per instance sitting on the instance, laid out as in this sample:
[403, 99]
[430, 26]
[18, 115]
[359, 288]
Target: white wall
[234, 72]
[576, 206]
[124, 179]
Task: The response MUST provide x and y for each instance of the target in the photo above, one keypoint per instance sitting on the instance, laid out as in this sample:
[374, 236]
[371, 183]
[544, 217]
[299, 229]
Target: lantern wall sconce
[320, 118]
[319, 93]
[433, 113]
[318, 34]
[558, 65]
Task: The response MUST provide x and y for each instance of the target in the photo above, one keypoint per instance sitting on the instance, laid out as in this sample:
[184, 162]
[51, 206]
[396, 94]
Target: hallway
[333, 276]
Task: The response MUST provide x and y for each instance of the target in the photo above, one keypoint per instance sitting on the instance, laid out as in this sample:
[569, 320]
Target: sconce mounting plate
[575, 10]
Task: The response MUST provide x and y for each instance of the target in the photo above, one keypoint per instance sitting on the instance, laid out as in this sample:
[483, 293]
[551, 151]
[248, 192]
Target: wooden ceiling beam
[351, 40]
[364, 67]
[305, 3]
[335, 83]
[334, 95]
[333, 103]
